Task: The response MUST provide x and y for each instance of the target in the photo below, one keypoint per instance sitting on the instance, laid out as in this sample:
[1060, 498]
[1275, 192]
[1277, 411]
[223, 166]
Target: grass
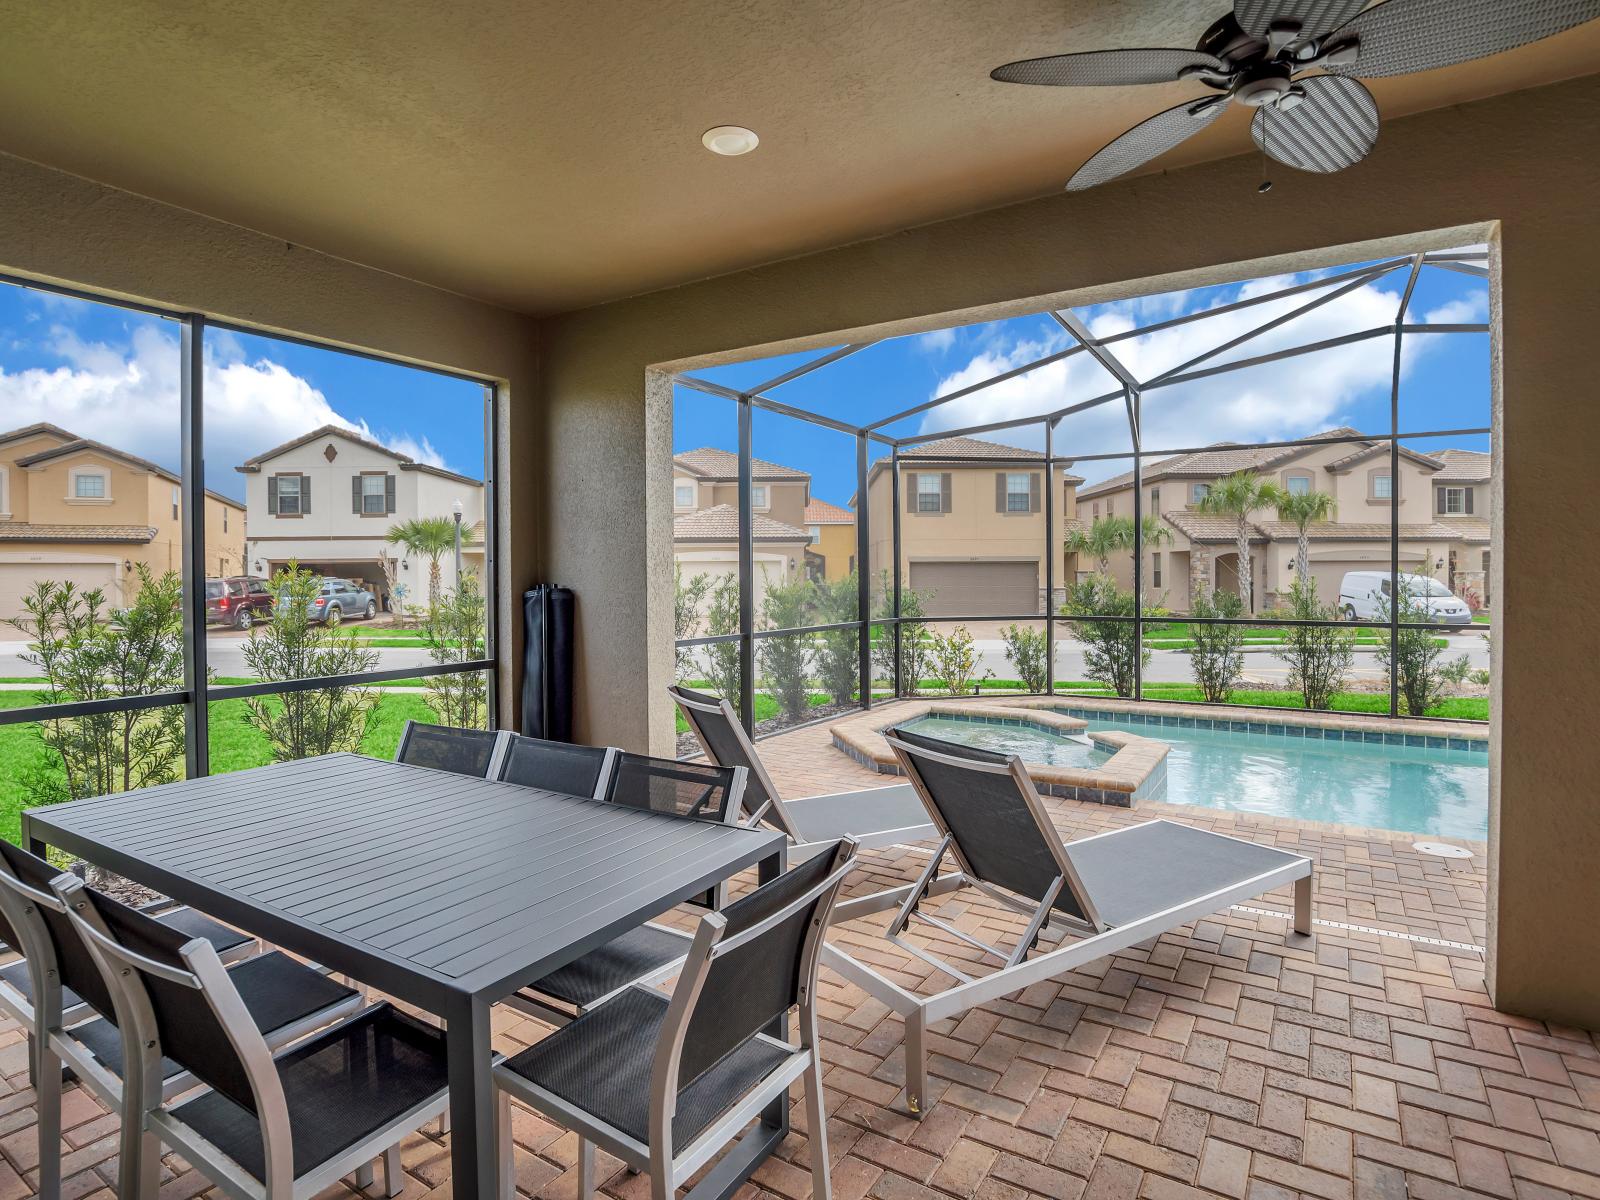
[1462, 708]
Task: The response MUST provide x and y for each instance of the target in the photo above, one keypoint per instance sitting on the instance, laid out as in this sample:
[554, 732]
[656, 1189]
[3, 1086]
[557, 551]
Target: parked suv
[1364, 596]
[238, 601]
[338, 599]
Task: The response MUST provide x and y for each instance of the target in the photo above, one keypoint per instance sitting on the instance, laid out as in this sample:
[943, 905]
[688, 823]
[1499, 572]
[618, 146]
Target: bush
[838, 657]
[955, 662]
[1319, 656]
[784, 660]
[456, 633]
[722, 658]
[686, 601]
[1110, 648]
[1028, 650]
[916, 643]
[1217, 656]
[1414, 661]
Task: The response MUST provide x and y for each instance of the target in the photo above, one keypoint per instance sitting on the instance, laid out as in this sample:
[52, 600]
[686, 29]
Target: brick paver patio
[1230, 1058]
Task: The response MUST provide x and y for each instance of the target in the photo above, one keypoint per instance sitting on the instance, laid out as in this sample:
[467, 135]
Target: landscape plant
[1028, 650]
[785, 661]
[838, 657]
[1319, 657]
[1107, 536]
[426, 537]
[1110, 648]
[1217, 654]
[686, 602]
[954, 662]
[722, 658]
[457, 633]
[292, 646]
[86, 650]
[1237, 496]
[915, 641]
[1415, 662]
[1301, 509]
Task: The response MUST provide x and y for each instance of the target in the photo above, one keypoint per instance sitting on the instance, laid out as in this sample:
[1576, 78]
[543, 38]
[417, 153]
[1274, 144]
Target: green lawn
[1463, 708]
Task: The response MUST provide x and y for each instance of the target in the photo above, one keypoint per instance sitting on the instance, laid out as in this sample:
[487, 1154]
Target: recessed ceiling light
[730, 140]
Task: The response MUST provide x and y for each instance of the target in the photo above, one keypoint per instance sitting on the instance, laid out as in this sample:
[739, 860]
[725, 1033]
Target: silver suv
[338, 599]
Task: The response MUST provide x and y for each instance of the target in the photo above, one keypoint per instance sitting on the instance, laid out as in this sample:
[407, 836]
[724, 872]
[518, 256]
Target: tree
[686, 602]
[1238, 496]
[293, 646]
[838, 658]
[722, 658]
[785, 660]
[1114, 535]
[955, 663]
[915, 641]
[426, 537]
[1302, 508]
[1217, 655]
[1028, 650]
[1414, 661]
[87, 651]
[456, 633]
[1110, 648]
[1320, 657]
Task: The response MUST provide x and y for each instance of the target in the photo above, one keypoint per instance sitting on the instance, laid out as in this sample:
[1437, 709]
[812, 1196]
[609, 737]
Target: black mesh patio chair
[1116, 889]
[281, 1126]
[554, 766]
[649, 952]
[446, 748]
[665, 1083]
[876, 817]
[72, 1015]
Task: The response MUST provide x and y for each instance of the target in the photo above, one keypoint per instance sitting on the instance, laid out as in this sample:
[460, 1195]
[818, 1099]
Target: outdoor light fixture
[729, 140]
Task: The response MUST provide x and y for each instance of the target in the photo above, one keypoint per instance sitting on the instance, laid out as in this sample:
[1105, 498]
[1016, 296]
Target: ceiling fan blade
[1399, 37]
[1107, 68]
[1332, 128]
[1146, 140]
[1314, 17]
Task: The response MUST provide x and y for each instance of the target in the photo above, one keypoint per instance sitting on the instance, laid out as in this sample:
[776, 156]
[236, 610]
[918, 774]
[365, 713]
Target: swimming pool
[1415, 789]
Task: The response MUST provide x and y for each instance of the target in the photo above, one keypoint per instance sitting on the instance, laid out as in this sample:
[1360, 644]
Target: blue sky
[112, 375]
[1444, 381]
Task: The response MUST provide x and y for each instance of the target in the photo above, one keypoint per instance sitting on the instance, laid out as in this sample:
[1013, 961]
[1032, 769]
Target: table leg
[34, 845]
[776, 1115]
[473, 1163]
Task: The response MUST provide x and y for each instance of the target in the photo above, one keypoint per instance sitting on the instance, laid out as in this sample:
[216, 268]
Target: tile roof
[38, 427]
[27, 531]
[1222, 458]
[820, 512]
[1463, 466]
[1209, 527]
[407, 463]
[720, 523]
[965, 447]
[709, 463]
[1470, 529]
[1355, 531]
[1350, 460]
[82, 445]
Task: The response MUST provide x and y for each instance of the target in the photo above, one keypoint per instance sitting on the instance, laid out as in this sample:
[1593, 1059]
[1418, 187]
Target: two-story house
[81, 512]
[972, 525]
[1442, 500]
[832, 531]
[328, 500]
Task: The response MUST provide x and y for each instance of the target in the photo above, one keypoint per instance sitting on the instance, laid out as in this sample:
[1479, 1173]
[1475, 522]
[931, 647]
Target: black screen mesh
[77, 968]
[664, 785]
[190, 1033]
[990, 820]
[444, 748]
[752, 985]
[554, 766]
[727, 748]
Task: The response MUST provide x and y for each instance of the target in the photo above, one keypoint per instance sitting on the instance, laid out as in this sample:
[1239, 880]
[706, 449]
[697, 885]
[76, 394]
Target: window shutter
[909, 482]
[1439, 492]
[272, 494]
[1000, 491]
[388, 493]
[305, 493]
[355, 494]
[944, 491]
[1468, 492]
[1034, 490]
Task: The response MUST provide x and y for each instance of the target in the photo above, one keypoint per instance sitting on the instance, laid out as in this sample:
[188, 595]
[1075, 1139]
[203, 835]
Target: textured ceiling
[546, 156]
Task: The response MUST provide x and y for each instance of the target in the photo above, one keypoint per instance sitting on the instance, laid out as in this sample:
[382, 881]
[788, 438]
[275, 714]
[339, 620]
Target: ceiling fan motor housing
[1267, 84]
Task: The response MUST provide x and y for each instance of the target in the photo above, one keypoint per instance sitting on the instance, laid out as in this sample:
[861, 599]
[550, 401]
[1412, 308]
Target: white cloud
[127, 397]
[937, 342]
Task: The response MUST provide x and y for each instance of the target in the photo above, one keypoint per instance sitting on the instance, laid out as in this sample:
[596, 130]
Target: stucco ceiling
[546, 156]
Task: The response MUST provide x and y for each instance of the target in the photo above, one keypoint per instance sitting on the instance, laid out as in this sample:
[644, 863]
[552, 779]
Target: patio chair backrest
[446, 748]
[725, 742]
[53, 932]
[555, 766]
[765, 961]
[681, 789]
[999, 831]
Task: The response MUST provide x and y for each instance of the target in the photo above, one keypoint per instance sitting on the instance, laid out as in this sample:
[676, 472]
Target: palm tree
[1303, 508]
[1114, 535]
[430, 538]
[1238, 496]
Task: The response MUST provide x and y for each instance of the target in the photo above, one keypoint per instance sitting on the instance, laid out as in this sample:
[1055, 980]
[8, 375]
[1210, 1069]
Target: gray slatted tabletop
[444, 891]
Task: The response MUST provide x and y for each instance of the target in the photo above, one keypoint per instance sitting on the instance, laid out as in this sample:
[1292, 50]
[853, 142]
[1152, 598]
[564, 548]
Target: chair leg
[916, 1064]
[139, 1166]
[504, 1149]
[1302, 905]
[585, 1169]
[817, 1121]
[365, 1175]
[394, 1178]
[47, 1092]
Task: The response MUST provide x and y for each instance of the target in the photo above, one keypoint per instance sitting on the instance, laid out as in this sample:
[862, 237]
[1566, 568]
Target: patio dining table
[446, 892]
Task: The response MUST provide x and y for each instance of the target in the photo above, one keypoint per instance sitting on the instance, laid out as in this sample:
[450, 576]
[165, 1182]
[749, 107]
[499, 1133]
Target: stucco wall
[1526, 160]
[63, 229]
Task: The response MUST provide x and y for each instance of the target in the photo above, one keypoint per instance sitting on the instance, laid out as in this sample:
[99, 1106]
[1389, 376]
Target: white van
[1364, 596]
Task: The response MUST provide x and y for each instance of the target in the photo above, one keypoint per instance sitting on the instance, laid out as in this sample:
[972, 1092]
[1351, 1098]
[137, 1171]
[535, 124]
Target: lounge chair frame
[1019, 971]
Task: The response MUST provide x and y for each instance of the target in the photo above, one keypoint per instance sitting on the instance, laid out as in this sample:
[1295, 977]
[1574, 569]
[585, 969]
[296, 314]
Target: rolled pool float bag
[549, 620]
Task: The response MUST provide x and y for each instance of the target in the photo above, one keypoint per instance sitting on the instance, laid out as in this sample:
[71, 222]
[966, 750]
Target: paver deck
[1228, 1058]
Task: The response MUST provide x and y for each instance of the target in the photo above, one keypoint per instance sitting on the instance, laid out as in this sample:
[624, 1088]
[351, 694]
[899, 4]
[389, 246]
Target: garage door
[1002, 589]
[17, 582]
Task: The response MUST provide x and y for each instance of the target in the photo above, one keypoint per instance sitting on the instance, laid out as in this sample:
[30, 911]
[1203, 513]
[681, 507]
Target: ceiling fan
[1259, 55]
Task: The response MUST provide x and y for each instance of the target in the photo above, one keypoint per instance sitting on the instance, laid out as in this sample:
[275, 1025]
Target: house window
[224, 518]
[5, 497]
[1155, 500]
[288, 495]
[683, 496]
[816, 533]
[758, 496]
[1018, 492]
[1198, 492]
[175, 504]
[1297, 485]
[88, 485]
[374, 494]
[1155, 570]
[1111, 506]
[1096, 507]
[1382, 487]
[929, 493]
[1453, 500]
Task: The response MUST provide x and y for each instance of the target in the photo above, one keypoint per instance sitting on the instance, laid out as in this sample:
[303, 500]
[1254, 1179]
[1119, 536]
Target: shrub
[456, 633]
[1216, 656]
[954, 662]
[838, 656]
[1414, 660]
[722, 658]
[686, 601]
[292, 646]
[1110, 648]
[916, 643]
[1319, 656]
[784, 660]
[1028, 650]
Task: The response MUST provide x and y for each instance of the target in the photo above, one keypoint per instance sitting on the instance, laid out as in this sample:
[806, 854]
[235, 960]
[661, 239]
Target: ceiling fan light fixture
[730, 141]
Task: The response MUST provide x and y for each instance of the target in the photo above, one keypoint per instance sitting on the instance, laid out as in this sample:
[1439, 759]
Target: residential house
[328, 500]
[81, 512]
[972, 525]
[1443, 509]
[833, 538]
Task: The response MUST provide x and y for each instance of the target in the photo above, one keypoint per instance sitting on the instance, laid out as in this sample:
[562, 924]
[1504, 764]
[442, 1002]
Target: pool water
[1408, 788]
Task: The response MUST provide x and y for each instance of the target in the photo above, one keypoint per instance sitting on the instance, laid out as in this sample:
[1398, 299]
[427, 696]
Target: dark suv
[238, 601]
